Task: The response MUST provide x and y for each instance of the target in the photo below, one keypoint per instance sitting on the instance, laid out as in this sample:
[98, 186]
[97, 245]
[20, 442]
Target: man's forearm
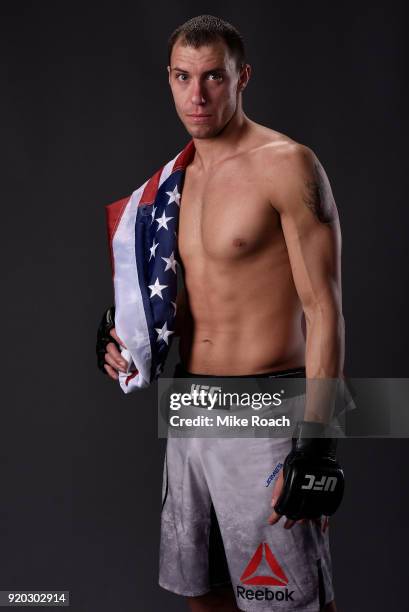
[324, 360]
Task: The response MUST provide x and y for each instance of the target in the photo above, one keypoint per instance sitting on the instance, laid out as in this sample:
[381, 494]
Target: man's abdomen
[245, 346]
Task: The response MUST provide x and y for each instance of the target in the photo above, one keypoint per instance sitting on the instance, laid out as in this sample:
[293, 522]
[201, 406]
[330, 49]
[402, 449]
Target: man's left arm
[309, 219]
[310, 224]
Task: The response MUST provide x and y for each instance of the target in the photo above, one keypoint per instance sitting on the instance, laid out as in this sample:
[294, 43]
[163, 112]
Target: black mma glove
[104, 337]
[313, 479]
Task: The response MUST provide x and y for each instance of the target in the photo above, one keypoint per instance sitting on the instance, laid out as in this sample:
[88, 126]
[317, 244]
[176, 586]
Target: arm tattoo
[318, 197]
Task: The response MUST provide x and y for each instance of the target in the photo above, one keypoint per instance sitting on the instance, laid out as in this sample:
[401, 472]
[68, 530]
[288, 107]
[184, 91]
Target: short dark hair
[206, 29]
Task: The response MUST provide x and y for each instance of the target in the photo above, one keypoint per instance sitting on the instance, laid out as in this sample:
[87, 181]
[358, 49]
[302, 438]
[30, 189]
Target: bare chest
[225, 216]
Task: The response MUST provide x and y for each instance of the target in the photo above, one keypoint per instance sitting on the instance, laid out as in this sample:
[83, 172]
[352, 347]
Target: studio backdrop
[86, 116]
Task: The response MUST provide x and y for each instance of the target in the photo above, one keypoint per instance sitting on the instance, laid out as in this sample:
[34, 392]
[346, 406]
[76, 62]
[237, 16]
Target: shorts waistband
[181, 372]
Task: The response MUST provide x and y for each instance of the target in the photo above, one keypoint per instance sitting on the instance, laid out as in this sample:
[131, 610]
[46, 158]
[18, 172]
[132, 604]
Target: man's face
[204, 84]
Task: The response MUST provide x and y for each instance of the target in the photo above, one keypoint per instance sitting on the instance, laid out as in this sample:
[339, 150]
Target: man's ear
[244, 76]
[168, 69]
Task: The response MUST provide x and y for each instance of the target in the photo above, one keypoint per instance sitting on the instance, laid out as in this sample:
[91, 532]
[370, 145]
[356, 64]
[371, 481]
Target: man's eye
[211, 74]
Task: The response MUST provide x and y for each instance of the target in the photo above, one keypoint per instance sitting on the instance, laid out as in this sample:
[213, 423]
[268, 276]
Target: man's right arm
[109, 357]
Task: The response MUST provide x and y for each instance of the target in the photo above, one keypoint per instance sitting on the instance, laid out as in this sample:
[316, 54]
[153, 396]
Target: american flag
[142, 234]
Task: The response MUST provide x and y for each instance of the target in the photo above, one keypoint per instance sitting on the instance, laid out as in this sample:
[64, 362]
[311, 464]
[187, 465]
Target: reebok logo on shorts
[276, 578]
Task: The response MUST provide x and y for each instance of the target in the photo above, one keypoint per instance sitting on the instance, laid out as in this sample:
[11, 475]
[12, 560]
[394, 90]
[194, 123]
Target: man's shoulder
[285, 167]
[275, 149]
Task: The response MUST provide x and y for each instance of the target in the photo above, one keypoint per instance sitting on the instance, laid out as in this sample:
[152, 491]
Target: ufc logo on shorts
[209, 390]
[326, 483]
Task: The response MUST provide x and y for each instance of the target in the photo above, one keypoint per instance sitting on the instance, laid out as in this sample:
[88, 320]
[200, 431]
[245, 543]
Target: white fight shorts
[216, 500]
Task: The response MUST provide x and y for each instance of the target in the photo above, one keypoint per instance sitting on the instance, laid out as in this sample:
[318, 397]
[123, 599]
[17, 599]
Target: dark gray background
[86, 117]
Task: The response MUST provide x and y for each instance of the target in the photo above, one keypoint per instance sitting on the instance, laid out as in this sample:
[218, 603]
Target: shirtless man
[259, 242]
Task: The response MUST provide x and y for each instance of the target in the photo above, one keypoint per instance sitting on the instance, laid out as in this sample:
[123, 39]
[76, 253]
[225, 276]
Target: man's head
[207, 73]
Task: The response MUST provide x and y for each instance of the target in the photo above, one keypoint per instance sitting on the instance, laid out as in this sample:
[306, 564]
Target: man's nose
[198, 94]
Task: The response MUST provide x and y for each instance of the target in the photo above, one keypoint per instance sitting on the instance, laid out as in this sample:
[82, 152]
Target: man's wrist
[314, 437]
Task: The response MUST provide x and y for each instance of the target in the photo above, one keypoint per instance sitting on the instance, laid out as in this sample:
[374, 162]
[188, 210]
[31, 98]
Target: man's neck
[211, 151]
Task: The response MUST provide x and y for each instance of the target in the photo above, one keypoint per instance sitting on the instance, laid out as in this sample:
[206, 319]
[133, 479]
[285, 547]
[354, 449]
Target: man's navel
[239, 242]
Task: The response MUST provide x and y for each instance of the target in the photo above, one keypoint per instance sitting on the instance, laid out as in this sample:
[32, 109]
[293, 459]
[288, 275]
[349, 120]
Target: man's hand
[113, 358]
[289, 523]
[311, 484]
[109, 358]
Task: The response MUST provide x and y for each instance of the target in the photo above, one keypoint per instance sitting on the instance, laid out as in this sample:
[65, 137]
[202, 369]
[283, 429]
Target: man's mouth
[199, 118]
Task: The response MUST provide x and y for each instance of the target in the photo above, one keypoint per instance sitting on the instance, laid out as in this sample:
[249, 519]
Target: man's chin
[202, 132]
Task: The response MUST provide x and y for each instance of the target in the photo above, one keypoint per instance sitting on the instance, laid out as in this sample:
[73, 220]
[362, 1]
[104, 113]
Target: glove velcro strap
[314, 438]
